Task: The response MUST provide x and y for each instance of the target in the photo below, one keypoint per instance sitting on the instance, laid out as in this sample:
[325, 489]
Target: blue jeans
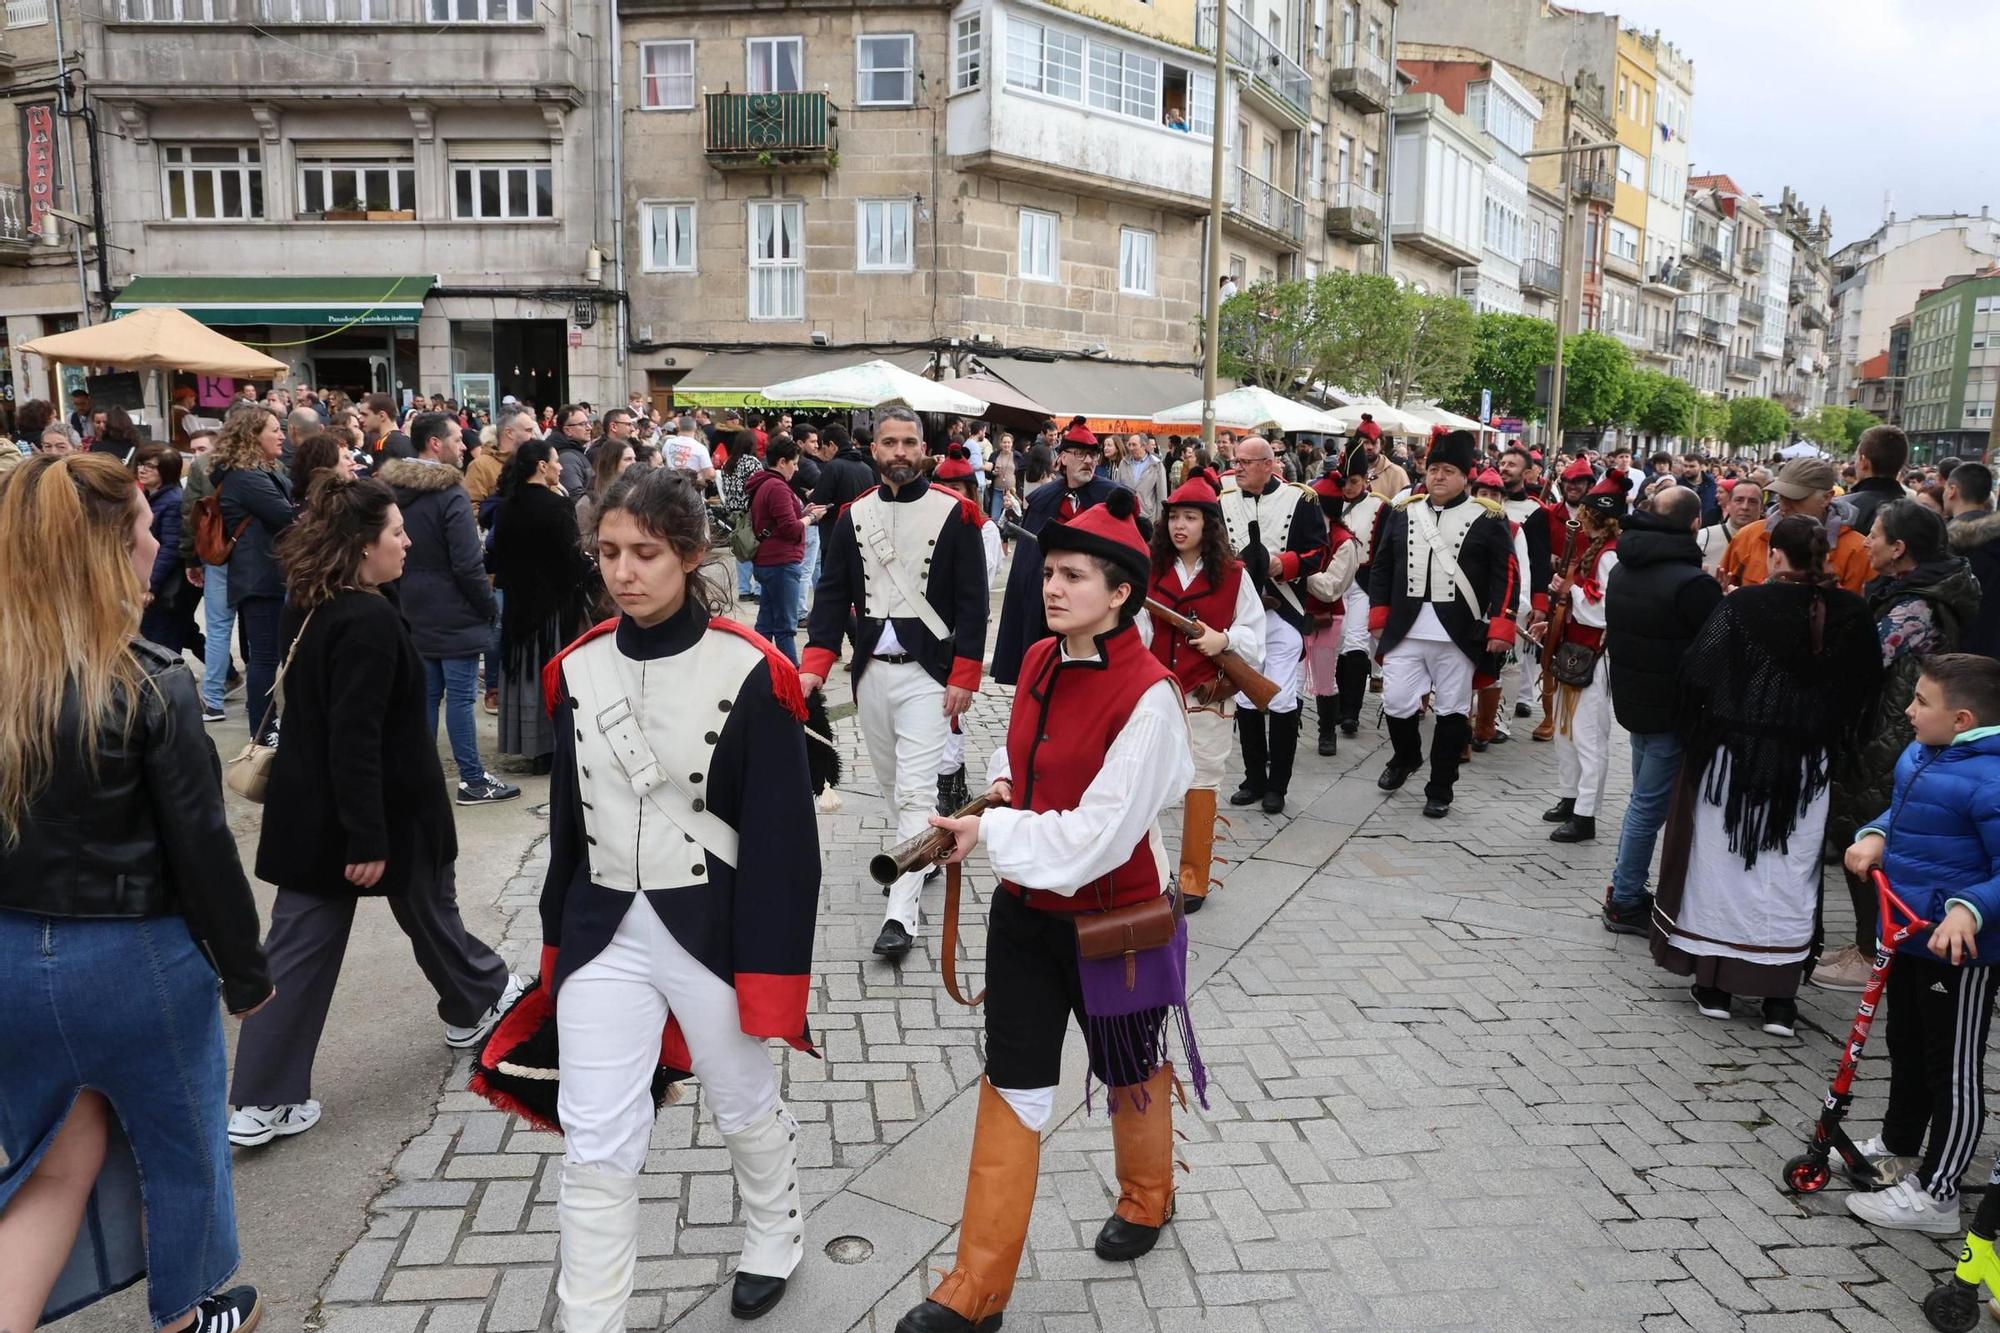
[493, 647]
[456, 681]
[1656, 766]
[744, 587]
[218, 623]
[129, 1008]
[810, 577]
[778, 612]
[262, 623]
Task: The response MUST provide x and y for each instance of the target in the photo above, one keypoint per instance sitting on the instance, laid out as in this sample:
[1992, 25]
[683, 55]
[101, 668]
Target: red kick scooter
[1809, 1172]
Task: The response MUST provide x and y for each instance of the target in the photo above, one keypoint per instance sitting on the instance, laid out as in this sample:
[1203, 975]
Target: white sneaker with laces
[253, 1126]
[465, 1038]
[1844, 969]
[1906, 1206]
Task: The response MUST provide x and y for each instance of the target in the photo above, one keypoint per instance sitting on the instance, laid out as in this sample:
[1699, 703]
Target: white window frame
[401, 199]
[654, 86]
[1316, 162]
[750, 48]
[674, 263]
[793, 287]
[531, 168]
[862, 42]
[1053, 49]
[890, 262]
[1034, 222]
[1136, 250]
[1201, 102]
[248, 168]
[968, 52]
[482, 11]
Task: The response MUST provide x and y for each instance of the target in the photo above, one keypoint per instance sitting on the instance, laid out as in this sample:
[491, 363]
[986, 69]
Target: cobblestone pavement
[1442, 1098]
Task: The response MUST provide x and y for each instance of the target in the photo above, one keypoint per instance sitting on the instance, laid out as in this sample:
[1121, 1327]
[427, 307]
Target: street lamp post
[1562, 267]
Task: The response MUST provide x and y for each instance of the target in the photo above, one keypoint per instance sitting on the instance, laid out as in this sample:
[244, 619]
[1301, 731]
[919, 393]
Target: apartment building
[49, 273]
[1672, 113]
[1954, 366]
[1019, 176]
[1705, 315]
[1878, 279]
[1803, 384]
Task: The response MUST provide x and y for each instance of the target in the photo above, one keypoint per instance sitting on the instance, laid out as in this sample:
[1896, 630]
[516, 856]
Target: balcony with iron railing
[27, 13]
[1752, 259]
[1594, 183]
[1812, 317]
[1743, 367]
[1663, 341]
[1711, 329]
[1687, 324]
[1274, 76]
[15, 236]
[1361, 79]
[1252, 199]
[1354, 213]
[1632, 338]
[1540, 276]
[1708, 256]
[758, 131]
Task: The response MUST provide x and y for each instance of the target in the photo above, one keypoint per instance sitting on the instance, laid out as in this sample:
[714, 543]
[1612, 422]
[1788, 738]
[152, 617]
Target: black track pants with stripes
[1939, 1017]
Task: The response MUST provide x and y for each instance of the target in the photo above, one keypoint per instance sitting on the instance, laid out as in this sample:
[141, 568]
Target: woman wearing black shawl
[1774, 687]
[537, 560]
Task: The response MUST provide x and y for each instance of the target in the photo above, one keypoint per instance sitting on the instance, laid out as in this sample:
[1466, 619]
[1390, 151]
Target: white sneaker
[253, 1126]
[1844, 969]
[466, 1038]
[1906, 1206]
[1888, 1165]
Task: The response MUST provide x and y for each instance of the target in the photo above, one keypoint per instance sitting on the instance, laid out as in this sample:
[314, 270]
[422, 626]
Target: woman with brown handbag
[1096, 748]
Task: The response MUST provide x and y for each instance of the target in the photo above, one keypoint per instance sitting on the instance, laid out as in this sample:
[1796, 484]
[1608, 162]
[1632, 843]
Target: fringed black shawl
[1754, 687]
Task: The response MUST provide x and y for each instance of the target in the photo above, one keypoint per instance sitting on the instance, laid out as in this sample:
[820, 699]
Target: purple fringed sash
[1130, 1024]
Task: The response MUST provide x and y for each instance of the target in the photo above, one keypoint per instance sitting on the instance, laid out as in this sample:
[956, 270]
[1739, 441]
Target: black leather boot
[1250, 732]
[1449, 736]
[1406, 755]
[1577, 828]
[952, 793]
[1329, 725]
[1560, 811]
[1350, 675]
[1284, 748]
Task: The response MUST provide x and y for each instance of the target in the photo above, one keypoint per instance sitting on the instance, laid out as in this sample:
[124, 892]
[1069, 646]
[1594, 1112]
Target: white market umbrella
[1439, 416]
[1393, 420]
[1801, 450]
[875, 384]
[1250, 408]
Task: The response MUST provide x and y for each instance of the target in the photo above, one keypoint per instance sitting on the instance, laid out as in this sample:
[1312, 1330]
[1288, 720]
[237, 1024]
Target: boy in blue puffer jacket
[1939, 843]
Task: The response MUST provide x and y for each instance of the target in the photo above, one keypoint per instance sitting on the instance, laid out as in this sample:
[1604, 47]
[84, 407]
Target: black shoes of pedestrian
[1560, 811]
[893, 943]
[1478, 746]
[754, 1295]
[1329, 741]
[930, 1317]
[237, 1310]
[1274, 802]
[1246, 795]
[1628, 918]
[1522, 710]
[1395, 775]
[1350, 728]
[952, 793]
[1119, 1240]
[1577, 828]
[1781, 1016]
[1436, 809]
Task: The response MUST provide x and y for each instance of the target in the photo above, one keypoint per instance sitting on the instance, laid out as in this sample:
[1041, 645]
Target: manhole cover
[849, 1250]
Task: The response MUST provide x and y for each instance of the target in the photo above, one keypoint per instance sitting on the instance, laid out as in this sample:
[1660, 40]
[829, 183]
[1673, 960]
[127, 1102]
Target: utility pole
[1562, 266]
[1210, 345]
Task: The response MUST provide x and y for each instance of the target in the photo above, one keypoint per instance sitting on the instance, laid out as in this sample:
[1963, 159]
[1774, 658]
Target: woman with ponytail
[1775, 687]
[121, 900]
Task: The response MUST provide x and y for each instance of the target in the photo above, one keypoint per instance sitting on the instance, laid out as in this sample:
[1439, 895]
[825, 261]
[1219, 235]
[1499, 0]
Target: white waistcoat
[1273, 515]
[1523, 509]
[649, 828]
[910, 531]
[1428, 541]
[1360, 518]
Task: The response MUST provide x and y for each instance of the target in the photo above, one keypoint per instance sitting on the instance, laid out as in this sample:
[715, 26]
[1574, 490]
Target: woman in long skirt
[1776, 683]
[538, 562]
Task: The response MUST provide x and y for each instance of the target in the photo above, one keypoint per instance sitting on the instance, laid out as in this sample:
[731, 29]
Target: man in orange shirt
[1803, 486]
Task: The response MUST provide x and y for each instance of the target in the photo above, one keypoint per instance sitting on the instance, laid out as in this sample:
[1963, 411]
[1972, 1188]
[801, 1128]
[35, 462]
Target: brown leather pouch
[1127, 931]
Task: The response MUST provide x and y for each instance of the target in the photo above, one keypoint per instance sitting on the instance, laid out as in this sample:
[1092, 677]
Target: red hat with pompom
[1489, 478]
[1579, 469]
[1106, 530]
[955, 467]
[1078, 434]
[1197, 492]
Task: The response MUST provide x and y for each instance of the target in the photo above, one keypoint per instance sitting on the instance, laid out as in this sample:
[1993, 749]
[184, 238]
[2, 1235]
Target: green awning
[321, 302]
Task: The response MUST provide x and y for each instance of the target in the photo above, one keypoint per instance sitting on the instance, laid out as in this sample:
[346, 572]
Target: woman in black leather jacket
[121, 904]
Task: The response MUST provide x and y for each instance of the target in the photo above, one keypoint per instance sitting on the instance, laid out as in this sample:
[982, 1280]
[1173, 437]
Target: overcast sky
[1840, 99]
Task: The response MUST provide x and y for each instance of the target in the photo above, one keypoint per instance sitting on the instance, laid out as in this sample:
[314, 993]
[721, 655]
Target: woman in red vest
[1096, 748]
[1195, 573]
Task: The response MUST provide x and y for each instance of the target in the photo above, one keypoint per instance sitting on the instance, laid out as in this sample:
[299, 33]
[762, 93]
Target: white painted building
[1506, 112]
[1437, 195]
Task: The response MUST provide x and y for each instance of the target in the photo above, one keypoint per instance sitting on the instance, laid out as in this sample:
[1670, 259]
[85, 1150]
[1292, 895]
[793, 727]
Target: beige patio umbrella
[158, 338]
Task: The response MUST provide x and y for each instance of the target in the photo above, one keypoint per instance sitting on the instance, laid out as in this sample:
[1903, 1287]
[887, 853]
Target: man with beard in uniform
[1441, 595]
[1076, 487]
[1279, 533]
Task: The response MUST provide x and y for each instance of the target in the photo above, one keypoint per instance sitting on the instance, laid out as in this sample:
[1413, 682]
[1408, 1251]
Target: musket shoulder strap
[948, 961]
[1424, 523]
[876, 538]
[656, 784]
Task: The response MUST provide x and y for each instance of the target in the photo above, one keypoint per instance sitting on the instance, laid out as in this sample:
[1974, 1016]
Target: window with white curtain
[1316, 162]
[1044, 60]
[1040, 249]
[968, 51]
[334, 180]
[777, 64]
[212, 182]
[885, 71]
[669, 232]
[1631, 167]
[1135, 261]
[666, 76]
[490, 185]
[777, 260]
[883, 236]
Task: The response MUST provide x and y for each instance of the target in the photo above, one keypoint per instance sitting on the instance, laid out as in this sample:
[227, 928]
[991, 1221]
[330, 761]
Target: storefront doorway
[527, 358]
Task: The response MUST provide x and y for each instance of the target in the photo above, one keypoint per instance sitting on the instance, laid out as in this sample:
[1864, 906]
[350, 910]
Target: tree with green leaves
[1426, 348]
[1507, 351]
[1754, 421]
[1826, 425]
[1668, 407]
[1858, 421]
[1596, 367]
[1269, 336]
[1711, 417]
